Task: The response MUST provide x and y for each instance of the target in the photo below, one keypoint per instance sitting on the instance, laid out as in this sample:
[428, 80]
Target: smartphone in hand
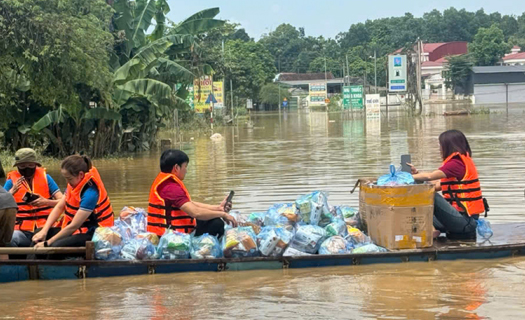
[229, 200]
[406, 158]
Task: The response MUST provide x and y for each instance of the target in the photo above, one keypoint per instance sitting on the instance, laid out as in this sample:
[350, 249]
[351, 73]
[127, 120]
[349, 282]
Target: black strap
[451, 183]
[31, 218]
[160, 216]
[163, 225]
[452, 199]
[102, 211]
[102, 202]
[36, 210]
[450, 191]
[486, 205]
[156, 206]
[71, 207]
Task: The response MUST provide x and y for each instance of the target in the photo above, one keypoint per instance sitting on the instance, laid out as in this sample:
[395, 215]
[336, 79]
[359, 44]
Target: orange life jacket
[464, 195]
[102, 216]
[161, 216]
[30, 217]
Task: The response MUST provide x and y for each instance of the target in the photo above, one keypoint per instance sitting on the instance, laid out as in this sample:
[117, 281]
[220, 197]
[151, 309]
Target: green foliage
[489, 46]
[250, 66]
[270, 94]
[457, 71]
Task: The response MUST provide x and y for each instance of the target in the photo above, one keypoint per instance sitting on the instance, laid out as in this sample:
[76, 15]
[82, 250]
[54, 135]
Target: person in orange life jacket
[170, 204]
[86, 206]
[456, 212]
[30, 178]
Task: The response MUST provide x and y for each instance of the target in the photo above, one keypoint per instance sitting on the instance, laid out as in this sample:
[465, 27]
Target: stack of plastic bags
[174, 245]
[273, 241]
[205, 247]
[239, 242]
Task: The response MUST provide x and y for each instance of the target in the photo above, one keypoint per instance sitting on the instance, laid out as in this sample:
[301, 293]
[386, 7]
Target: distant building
[433, 63]
[494, 85]
[514, 58]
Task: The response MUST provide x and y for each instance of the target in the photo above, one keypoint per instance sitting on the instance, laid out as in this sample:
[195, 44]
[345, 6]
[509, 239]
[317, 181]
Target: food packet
[335, 245]
[174, 245]
[369, 248]
[336, 228]
[357, 237]
[108, 243]
[308, 238]
[239, 242]
[205, 247]
[138, 249]
[273, 241]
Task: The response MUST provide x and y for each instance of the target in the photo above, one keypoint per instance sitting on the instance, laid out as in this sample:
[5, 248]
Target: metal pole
[375, 70]
[279, 83]
[231, 95]
[507, 96]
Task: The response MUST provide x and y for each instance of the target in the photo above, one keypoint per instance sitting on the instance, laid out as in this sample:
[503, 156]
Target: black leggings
[76, 240]
[213, 227]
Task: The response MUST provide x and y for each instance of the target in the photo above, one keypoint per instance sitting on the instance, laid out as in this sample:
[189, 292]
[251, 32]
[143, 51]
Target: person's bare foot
[436, 233]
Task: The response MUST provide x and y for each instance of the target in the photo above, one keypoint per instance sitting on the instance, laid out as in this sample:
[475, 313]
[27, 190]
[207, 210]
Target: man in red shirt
[169, 198]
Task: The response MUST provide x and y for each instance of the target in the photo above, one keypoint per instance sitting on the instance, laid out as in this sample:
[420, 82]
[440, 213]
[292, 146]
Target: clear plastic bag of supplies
[319, 208]
[369, 248]
[273, 241]
[484, 229]
[308, 238]
[205, 247]
[304, 207]
[349, 214]
[335, 245]
[257, 218]
[357, 237]
[336, 228]
[274, 219]
[108, 243]
[138, 249]
[395, 178]
[136, 218]
[239, 242]
[174, 245]
[287, 210]
[152, 237]
[291, 252]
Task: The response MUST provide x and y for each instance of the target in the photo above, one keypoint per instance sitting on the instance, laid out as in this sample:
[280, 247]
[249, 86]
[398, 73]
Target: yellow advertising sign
[201, 90]
[317, 94]
[218, 92]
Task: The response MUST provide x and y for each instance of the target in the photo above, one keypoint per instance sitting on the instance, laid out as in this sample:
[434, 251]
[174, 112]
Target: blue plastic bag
[274, 219]
[205, 247]
[335, 245]
[484, 229]
[348, 214]
[174, 245]
[336, 228]
[137, 249]
[108, 243]
[357, 237]
[395, 178]
[308, 238]
[369, 248]
[304, 207]
[273, 241]
[239, 242]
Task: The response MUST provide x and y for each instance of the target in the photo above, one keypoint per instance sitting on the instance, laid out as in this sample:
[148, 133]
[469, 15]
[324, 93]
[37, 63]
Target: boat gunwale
[391, 254]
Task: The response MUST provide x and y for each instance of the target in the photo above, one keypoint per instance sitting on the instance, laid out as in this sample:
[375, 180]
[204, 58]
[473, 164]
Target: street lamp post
[375, 70]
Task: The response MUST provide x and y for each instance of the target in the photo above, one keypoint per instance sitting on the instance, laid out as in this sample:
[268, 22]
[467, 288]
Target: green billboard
[356, 97]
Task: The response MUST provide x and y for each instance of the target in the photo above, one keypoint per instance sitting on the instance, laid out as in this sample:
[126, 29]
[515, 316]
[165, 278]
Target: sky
[327, 18]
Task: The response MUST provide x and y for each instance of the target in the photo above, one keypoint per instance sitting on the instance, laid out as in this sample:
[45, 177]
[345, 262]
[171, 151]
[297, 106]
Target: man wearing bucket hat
[35, 192]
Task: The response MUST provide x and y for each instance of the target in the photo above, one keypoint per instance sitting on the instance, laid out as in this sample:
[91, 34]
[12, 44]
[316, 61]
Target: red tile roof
[520, 55]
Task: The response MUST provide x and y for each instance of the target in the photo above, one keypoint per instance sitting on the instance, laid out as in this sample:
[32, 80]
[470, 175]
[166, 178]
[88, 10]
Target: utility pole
[231, 83]
[418, 74]
[279, 83]
[375, 70]
[347, 70]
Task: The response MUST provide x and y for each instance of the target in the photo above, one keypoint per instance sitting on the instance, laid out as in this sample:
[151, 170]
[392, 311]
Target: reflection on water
[275, 161]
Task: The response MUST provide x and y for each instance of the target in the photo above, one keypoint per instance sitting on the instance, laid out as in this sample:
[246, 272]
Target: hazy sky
[327, 18]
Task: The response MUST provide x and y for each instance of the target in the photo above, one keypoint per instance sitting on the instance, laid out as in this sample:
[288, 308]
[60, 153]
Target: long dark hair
[76, 163]
[452, 141]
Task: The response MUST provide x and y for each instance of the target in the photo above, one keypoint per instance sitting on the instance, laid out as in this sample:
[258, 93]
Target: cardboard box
[400, 217]
[364, 187]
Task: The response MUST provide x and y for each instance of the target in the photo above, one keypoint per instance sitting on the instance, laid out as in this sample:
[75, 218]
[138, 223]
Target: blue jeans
[21, 238]
[448, 219]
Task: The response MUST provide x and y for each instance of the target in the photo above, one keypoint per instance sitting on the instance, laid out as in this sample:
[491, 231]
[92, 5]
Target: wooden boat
[508, 241]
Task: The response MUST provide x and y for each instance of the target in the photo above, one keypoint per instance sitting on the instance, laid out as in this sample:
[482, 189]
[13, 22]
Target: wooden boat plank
[508, 240]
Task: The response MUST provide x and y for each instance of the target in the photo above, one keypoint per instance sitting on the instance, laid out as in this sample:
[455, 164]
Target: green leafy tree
[457, 71]
[270, 94]
[489, 46]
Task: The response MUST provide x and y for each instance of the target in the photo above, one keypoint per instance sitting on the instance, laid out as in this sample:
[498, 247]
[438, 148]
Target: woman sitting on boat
[86, 206]
[456, 212]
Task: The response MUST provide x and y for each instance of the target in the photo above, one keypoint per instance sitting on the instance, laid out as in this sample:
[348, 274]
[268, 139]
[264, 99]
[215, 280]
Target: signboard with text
[373, 106]
[397, 73]
[207, 86]
[317, 94]
[346, 97]
[356, 97]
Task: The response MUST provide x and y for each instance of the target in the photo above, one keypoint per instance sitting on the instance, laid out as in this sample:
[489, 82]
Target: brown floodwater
[275, 160]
